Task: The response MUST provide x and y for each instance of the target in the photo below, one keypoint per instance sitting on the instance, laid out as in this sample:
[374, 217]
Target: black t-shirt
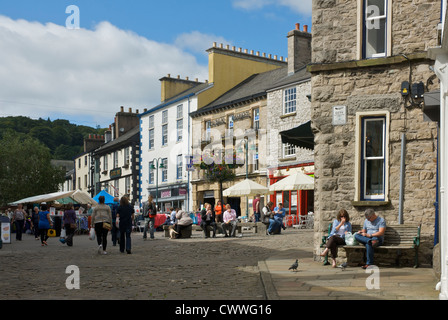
[125, 213]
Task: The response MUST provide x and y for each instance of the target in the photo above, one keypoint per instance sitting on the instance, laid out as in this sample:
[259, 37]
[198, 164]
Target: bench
[396, 237]
[255, 227]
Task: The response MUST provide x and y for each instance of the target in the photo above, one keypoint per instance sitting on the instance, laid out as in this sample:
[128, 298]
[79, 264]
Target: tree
[25, 168]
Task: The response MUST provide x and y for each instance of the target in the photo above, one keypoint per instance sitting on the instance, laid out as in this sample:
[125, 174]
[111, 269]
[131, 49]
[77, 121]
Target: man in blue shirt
[371, 235]
[275, 224]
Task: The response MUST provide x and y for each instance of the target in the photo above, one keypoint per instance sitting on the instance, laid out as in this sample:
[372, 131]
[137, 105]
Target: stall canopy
[301, 136]
[78, 196]
[296, 181]
[245, 188]
[108, 199]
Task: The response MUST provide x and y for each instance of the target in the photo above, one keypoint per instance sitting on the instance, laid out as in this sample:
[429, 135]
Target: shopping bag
[92, 234]
[350, 239]
[51, 233]
[63, 234]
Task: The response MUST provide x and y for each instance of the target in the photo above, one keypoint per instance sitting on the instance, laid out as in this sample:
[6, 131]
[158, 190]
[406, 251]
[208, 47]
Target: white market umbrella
[83, 197]
[44, 197]
[245, 188]
[296, 181]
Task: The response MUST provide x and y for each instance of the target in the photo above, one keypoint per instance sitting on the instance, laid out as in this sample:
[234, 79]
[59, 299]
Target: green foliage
[25, 168]
[65, 140]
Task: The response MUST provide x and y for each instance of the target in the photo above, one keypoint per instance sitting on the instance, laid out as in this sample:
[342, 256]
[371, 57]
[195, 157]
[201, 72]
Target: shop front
[174, 196]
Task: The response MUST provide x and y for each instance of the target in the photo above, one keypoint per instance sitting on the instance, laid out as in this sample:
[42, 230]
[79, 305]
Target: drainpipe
[402, 174]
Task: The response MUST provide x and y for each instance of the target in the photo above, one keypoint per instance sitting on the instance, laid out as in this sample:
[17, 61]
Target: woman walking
[102, 220]
[69, 224]
[45, 223]
[125, 213]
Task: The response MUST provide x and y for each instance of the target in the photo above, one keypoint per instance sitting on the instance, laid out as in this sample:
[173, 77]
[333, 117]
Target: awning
[301, 136]
[44, 198]
[296, 181]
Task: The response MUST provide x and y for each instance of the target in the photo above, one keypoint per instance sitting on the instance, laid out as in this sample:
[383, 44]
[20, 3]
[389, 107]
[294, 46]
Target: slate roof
[254, 87]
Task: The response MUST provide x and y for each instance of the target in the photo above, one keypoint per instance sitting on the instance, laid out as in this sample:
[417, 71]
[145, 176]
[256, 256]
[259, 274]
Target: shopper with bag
[125, 216]
[45, 224]
[102, 220]
[341, 227]
[149, 214]
[69, 222]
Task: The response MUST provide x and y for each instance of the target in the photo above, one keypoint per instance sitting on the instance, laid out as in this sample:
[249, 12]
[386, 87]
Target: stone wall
[278, 123]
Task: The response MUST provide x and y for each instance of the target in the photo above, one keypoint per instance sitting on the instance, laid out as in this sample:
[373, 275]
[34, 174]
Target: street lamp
[156, 167]
[246, 150]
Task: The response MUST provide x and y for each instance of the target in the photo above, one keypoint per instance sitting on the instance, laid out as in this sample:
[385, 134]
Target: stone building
[289, 107]
[369, 73]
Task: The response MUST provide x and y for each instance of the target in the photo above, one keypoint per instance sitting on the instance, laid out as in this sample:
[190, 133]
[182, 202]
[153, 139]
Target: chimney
[299, 48]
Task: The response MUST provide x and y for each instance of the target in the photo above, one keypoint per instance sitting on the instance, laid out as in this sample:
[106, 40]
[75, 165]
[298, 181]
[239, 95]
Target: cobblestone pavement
[193, 269]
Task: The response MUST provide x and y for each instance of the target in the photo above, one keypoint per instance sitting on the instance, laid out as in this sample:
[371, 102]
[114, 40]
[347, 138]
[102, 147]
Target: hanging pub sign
[115, 173]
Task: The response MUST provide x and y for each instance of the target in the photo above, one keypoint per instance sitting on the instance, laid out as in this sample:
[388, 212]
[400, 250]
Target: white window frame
[290, 100]
[165, 170]
[179, 167]
[288, 150]
[359, 156]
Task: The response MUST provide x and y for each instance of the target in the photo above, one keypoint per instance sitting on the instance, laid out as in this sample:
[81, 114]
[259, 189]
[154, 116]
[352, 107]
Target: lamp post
[246, 150]
[156, 167]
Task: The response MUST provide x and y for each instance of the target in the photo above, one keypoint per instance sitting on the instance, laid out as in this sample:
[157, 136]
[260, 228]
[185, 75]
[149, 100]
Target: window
[179, 167]
[165, 116]
[164, 135]
[127, 185]
[180, 127]
[165, 170]
[208, 130]
[256, 119]
[151, 122]
[115, 159]
[151, 139]
[180, 111]
[289, 150]
[230, 124]
[126, 156]
[106, 165]
[375, 28]
[151, 174]
[373, 158]
[290, 97]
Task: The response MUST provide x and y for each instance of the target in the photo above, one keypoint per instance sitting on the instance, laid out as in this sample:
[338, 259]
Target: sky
[49, 69]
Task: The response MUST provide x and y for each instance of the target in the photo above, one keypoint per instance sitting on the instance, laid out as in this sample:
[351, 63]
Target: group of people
[371, 235]
[210, 218]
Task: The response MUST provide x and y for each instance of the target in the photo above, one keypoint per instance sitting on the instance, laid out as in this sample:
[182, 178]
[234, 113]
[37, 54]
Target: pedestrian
[45, 223]
[208, 219]
[35, 222]
[183, 221]
[69, 222]
[340, 227]
[218, 212]
[115, 231]
[173, 216]
[149, 214]
[125, 215]
[276, 222]
[18, 219]
[371, 235]
[256, 208]
[102, 220]
[229, 218]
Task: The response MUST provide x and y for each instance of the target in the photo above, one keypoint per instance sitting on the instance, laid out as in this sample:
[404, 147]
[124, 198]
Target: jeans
[115, 233]
[274, 225]
[369, 248]
[69, 233]
[125, 238]
[101, 235]
[257, 216]
[204, 226]
[19, 228]
[149, 222]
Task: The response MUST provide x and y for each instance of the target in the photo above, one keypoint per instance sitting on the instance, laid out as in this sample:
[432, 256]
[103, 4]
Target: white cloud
[198, 42]
[51, 71]
[299, 6]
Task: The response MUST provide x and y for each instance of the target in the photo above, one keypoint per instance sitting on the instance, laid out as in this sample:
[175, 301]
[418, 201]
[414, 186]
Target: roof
[254, 87]
[181, 96]
[131, 135]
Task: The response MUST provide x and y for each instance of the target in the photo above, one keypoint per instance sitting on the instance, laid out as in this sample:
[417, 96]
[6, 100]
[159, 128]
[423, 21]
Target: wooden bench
[396, 237]
[255, 227]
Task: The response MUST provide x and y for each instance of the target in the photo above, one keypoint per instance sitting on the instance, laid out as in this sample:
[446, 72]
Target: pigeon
[343, 266]
[295, 265]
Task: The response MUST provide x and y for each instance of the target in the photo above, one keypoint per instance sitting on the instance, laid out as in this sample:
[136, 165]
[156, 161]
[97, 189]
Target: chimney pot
[298, 26]
[122, 109]
[130, 110]
[305, 28]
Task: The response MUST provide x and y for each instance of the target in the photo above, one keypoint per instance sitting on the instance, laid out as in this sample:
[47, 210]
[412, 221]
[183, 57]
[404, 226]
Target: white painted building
[440, 55]
[165, 141]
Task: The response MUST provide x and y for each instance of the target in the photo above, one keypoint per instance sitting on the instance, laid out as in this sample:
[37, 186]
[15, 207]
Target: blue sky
[122, 49]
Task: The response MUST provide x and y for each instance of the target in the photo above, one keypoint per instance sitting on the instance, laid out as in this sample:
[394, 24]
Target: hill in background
[64, 139]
